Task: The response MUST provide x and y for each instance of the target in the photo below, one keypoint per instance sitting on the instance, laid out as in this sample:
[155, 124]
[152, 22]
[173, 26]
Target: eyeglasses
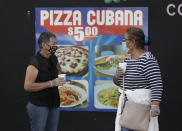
[124, 39]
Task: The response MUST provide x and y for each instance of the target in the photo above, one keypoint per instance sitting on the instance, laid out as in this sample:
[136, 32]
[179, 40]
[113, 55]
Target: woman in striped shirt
[142, 71]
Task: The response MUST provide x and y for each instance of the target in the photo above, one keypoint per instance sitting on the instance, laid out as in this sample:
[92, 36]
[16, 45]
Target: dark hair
[138, 35]
[45, 37]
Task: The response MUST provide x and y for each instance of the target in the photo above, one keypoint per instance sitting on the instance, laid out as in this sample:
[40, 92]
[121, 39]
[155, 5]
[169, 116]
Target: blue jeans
[126, 129]
[43, 118]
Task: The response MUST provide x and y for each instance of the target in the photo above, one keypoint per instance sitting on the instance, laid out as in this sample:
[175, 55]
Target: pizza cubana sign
[91, 23]
[89, 50]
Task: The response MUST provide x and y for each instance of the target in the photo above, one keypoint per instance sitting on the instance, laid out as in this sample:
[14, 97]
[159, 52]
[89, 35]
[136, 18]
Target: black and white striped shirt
[143, 73]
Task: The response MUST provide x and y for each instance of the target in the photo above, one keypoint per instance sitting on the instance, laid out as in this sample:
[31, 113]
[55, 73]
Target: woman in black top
[42, 84]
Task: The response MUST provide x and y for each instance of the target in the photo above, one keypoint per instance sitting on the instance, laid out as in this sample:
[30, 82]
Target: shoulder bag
[134, 116]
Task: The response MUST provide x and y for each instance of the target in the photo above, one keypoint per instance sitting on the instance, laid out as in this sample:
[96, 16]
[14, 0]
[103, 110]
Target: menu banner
[89, 50]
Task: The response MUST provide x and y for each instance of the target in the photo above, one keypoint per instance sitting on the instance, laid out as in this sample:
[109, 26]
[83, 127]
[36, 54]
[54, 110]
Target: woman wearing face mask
[42, 84]
[142, 77]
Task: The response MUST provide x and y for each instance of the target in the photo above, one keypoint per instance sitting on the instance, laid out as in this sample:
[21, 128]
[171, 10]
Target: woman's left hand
[155, 110]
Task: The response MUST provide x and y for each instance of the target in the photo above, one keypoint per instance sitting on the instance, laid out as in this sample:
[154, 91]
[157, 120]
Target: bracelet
[51, 84]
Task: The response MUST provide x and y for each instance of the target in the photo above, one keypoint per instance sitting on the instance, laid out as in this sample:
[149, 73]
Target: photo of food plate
[106, 95]
[108, 64]
[74, 94]
[73, 60]
[107, 58]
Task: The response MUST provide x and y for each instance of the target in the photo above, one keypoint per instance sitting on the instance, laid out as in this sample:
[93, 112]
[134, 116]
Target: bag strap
[124, 88]
[124, 94]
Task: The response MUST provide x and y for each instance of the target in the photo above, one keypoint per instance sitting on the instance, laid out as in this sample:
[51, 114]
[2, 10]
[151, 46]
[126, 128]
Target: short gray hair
[45, 37]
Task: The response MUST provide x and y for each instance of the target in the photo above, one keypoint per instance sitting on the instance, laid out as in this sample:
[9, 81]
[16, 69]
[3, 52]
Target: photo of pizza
[73, 60]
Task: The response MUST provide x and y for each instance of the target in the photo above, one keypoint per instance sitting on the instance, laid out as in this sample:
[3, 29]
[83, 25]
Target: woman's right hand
[119, 71]
[58, 81]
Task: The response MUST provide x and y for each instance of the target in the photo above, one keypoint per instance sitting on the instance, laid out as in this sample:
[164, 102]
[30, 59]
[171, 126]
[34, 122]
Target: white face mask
[124, 47]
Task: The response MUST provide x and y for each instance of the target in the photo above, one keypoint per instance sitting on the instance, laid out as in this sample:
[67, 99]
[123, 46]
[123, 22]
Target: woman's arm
[30, 77]
[153, 75]
[58, 68]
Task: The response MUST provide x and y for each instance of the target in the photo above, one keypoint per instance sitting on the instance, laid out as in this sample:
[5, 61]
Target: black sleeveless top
[47, 71]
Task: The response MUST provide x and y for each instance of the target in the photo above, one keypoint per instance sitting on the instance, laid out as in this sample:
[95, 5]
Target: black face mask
[53, 49]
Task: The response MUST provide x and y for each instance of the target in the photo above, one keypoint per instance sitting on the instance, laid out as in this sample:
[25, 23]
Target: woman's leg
[38, 117]
[53, 119]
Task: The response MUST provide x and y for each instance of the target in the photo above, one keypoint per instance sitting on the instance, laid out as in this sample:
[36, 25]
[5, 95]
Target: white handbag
[134, 115]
